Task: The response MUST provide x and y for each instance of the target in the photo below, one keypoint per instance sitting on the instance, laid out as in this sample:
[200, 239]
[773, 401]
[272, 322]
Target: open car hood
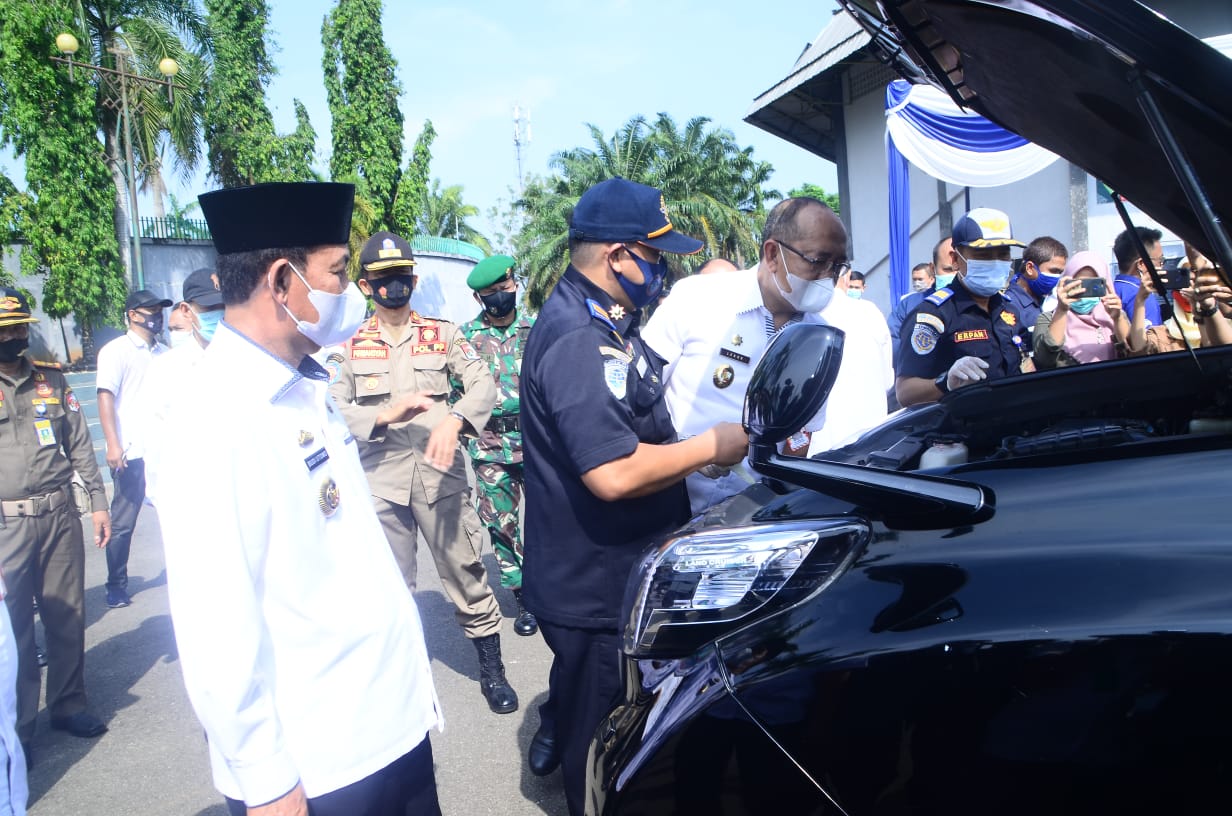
[1061, 73]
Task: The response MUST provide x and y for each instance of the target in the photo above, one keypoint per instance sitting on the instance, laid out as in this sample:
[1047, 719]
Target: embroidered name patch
[428, 348]
[970, 334]
[369, 350]
[316, 459]
[735, 355]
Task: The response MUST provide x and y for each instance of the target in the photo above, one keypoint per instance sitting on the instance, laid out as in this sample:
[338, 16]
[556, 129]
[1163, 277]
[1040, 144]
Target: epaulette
[940, 296]
[600, 314]
[370, 329]
[46, 364]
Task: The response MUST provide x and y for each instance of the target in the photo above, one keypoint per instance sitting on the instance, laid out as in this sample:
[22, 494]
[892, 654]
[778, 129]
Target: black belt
[504, 424]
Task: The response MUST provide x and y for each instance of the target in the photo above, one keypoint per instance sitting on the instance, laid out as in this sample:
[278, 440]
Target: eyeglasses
[822, 266]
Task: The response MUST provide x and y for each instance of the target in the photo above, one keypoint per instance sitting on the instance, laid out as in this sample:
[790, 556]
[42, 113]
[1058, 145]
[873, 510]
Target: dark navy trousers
[129, 494]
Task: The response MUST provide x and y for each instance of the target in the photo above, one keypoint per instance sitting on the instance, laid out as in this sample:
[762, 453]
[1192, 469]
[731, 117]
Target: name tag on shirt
[316, 459]
[46, 435]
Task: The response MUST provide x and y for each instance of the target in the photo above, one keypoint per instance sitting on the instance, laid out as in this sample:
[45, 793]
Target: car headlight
[698, 586]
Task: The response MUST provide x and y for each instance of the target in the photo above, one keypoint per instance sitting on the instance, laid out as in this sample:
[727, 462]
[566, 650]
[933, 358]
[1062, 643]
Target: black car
[1043, 625]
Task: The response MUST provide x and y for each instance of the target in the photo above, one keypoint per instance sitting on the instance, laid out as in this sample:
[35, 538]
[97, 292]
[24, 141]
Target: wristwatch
[942, 382]
[460, 418]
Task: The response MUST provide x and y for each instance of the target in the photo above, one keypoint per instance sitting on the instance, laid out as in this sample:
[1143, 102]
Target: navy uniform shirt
[1025, 304]
[949, 325]
[591, 392]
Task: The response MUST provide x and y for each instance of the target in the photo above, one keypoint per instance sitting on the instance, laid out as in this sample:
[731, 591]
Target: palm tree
[445, 214]
[148, 31]
[715, 191]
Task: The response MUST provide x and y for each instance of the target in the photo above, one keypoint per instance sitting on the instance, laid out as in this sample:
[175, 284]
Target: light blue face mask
[1083, 306]
[855, 293]
[944, 281]
[207, 323]
[986, 278]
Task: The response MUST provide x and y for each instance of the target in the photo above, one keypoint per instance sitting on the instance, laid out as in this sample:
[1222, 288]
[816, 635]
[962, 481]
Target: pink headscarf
[1091, 337]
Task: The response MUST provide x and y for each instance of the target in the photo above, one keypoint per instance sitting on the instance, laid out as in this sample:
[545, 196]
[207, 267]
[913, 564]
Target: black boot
[524, 624]
[501, 697]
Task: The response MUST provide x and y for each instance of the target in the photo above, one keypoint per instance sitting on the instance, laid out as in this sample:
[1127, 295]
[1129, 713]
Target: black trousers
[583, 686]
[405, 787]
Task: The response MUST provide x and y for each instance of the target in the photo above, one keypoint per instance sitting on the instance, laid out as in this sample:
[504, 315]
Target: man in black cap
[200, 310]
[123, 400]
[45, 438]
[604, 473]
[302, 650]
[392, 383]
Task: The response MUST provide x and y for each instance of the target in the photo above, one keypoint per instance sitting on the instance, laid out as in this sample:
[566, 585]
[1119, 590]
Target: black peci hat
[280, 215]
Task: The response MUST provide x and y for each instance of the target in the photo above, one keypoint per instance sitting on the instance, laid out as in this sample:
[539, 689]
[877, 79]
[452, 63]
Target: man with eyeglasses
[713, 331]
[964, 332]
[1131, 270]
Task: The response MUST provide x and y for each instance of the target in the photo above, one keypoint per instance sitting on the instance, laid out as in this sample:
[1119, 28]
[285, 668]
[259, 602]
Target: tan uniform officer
[44, 438]
[392, 382]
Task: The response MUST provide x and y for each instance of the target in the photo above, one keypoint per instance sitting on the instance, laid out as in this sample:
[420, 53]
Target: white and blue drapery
[926, 128]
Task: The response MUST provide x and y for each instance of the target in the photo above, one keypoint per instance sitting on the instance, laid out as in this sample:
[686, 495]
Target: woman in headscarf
[1075, 329]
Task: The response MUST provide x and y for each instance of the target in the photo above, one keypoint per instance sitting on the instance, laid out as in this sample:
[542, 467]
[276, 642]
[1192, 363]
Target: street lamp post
[116, 85]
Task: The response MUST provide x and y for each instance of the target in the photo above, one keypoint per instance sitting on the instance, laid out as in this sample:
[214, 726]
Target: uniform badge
[924, 338]
[723, 376]
[44, 390]
[70, 401]
[616, 375]
[617, 311]
[617, 354]
[372, 383]
[329, 497]
[1009, 318]
[737, 340]
[735, 355]
[427, 334]
[40, 408]
[305, 438]
[333, 364]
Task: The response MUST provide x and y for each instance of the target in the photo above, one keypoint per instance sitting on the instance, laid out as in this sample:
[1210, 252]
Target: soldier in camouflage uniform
[499, 335]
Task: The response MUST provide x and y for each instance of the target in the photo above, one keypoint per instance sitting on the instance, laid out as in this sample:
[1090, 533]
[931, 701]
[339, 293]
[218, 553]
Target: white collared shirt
[166, 379]
[301, 646]
[858, 399]
[122, 367]
[712, 329]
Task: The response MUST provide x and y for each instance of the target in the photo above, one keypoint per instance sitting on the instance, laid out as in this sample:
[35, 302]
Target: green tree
[239, 130]
[445, 214]
[362, 88]
[50, 121]
[818, 192]
[413, 189]
[715, 190]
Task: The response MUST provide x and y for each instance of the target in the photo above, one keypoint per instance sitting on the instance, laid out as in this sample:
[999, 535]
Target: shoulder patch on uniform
[931, 320]
[616, 375]
[940, 296]
[924, 339]
[616, 354]
[333, 364]
[468, 351]
[598, 313]
[370, 328]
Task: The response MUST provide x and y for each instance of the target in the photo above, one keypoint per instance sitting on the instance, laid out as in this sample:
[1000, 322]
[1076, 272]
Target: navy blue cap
[984, 227]
[621, 210]
[201, 288]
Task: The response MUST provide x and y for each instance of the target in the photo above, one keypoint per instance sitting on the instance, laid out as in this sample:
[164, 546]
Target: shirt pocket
[431, 373]
[371, 386]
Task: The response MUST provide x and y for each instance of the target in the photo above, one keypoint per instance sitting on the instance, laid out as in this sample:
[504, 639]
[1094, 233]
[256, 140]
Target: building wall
[441, 292]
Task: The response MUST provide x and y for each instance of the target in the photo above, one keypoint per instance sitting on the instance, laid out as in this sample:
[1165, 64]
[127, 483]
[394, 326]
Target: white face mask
[180, 338]
[920, 285]
[338, 316]
[805, 296]
[986, 278]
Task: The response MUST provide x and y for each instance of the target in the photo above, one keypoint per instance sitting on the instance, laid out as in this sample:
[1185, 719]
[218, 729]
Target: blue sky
[465, 65]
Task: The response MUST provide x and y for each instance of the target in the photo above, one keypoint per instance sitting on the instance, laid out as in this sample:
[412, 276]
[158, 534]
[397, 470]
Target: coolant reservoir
[1203, 425]
[943, 454]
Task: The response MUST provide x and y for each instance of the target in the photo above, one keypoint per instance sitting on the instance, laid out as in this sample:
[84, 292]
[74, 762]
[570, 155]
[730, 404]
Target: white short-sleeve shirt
[122, 367]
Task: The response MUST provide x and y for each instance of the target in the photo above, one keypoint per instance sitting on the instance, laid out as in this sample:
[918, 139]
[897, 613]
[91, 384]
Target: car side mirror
[792, 382]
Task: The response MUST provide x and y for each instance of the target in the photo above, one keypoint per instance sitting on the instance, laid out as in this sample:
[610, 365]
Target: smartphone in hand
[1093, 287]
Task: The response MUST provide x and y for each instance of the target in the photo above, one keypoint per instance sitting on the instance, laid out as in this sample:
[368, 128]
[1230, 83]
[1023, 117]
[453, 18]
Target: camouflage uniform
[497, 452]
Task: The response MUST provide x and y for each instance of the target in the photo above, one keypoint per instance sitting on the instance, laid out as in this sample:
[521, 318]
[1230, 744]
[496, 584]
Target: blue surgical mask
[986, 278]
[1042, 285]
[855, 293]
[207, 323]
[1083, 306]
[653, 275]
[944, 280]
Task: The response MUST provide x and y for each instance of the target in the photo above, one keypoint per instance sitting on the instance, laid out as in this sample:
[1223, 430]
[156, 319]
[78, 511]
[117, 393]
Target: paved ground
[153, 760]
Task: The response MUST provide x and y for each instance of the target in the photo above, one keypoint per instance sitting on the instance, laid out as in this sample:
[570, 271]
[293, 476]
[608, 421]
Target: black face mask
[12, 348]
[154, 322]
[499, 304]
[397, 288]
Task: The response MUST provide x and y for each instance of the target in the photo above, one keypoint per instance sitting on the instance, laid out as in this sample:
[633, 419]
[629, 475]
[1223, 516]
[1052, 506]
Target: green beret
[489, 271]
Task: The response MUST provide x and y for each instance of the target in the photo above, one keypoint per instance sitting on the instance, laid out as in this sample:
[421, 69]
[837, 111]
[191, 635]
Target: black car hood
[1058, 73]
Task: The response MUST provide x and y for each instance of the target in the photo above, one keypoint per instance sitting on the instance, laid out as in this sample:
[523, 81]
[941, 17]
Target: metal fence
[180, 229]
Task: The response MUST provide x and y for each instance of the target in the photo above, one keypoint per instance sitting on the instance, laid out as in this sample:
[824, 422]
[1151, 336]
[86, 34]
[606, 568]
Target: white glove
[966, 370]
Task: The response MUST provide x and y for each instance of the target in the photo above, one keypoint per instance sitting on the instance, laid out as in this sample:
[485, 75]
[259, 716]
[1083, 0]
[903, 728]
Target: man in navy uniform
[964, 332]
[604, 473]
